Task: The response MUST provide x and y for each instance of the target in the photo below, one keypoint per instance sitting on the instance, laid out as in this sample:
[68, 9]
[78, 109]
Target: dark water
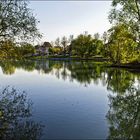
[68, 100]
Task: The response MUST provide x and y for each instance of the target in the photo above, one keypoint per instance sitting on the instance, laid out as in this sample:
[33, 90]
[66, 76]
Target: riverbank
[105, 61]
[96, 59]
[135, 67]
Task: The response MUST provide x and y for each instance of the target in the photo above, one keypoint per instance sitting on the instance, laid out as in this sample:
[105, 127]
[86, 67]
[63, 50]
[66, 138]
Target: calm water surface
[71, 100]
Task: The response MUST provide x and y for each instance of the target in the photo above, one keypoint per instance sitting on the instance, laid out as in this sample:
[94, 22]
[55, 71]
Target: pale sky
[59, 18]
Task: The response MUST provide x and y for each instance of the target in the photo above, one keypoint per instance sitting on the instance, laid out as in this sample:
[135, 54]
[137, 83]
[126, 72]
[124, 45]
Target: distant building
[43, 49]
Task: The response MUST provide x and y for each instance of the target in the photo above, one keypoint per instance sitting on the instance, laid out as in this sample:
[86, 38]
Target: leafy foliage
[17, 20]
[127, 12]
[86, 46]
[122, 47]
[124, 115]
[15, 113]
[11, 50]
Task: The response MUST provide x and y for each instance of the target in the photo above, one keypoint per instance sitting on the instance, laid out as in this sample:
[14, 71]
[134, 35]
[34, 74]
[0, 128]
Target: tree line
[120, 44]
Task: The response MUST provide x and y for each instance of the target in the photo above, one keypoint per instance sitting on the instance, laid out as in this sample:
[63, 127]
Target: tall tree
[83, 45]
[8, 49]
[96, 36]
[121, 45]
[17, 20]
[128, 13]
[57, 42]
[105, 37]
[64, 43]
[105, 43]
[71, 38]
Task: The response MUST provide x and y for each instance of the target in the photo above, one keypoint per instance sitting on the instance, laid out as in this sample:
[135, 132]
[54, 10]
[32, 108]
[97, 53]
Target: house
[43, 49]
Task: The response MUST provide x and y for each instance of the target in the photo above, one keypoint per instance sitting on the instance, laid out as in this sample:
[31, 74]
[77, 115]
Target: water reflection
[124, 115]
[120, 80]
[15, 117]
[123, 86]
[9, 67]
[116, 80]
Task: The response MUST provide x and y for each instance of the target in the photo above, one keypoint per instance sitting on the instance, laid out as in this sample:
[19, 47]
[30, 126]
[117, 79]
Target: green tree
[17, 20]
[26, 49]
[98, 46]
[8, 49]
[83, 45]
[55, 50]
[64, 43]
[122, 45]
[71, 38]
[128, 13]
[87, 46]
[105, 44]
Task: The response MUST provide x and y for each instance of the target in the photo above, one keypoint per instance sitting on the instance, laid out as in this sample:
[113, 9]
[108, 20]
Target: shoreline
[130, 67]
[77, 58]
[107, 63]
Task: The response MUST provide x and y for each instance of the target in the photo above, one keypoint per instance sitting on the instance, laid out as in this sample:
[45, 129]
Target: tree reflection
[15, 117]
[42, 67]
[119, 80]
[7, 68]
[84, 72]
[124, 115]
